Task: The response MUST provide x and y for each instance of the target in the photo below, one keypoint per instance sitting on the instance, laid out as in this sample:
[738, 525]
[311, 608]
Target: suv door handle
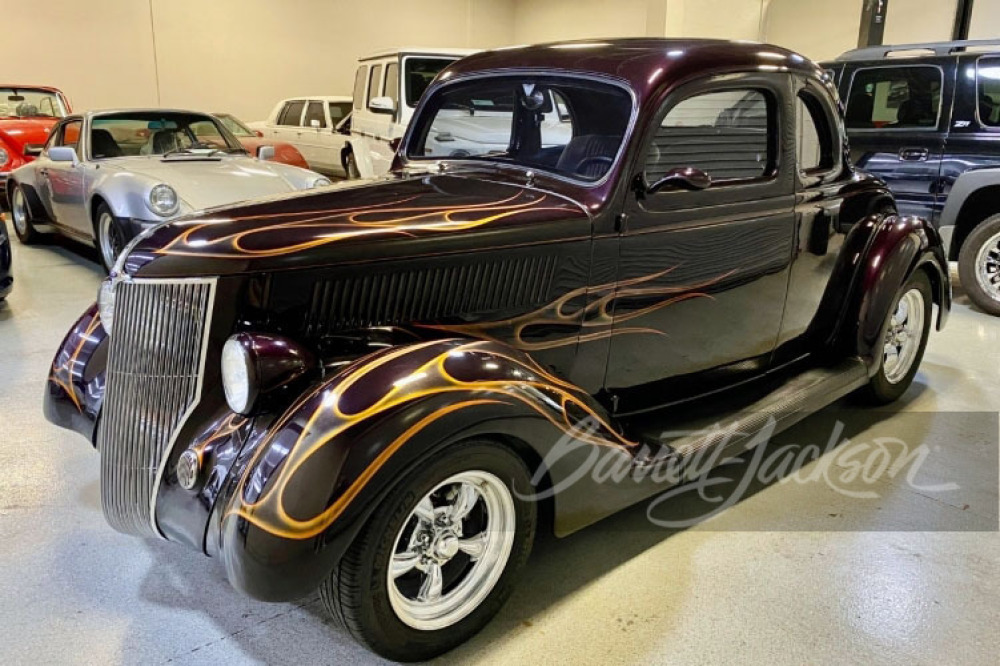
[914, 154]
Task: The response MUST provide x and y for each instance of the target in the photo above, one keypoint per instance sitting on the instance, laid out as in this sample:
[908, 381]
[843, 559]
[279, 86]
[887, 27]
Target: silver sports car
[102, 177]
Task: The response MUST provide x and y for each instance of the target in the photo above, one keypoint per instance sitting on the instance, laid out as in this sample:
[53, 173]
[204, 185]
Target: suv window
[418, 74]
[814, 145]
[315, 112]
[392, 83]
[894, 97]
[339, 111]
[373, 82]
[359, 86]
[725, 134]
[988, 93]
[292, 113]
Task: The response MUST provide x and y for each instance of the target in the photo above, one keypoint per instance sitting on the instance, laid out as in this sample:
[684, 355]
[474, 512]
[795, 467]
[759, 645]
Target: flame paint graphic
[597, 314]
[559, 402]
[216, 237]
[63, 365]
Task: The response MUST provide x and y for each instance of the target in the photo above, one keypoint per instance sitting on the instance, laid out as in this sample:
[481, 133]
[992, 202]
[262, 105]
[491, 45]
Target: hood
[393, 218]
[206, 183]
[16, 132]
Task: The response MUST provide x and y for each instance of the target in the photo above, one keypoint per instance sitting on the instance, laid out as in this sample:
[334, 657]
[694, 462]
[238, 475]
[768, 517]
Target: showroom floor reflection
[843, 579]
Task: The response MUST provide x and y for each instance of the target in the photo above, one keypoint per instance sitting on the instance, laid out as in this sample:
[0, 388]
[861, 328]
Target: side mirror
[265, 153]
[62, 154]
[33, 149]
[683, 178]
[382, 105]
[260, 135]
[314, 123]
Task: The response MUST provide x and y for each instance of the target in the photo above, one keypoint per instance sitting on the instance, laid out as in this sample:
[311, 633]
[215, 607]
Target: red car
[27, 113]
[252, 140]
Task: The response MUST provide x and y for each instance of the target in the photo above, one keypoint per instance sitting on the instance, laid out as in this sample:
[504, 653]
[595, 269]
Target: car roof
[16, 86]
[419, 50]
[109, 112]
[318, 98]
[920, 49]
[643, 63]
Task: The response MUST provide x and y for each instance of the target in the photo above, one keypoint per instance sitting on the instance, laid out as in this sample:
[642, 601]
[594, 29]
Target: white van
[315, 126]
[384, 102]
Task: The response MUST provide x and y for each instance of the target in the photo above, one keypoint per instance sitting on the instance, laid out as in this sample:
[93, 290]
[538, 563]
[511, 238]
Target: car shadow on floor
[557, 569]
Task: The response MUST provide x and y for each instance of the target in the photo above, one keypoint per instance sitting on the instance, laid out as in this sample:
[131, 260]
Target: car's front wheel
[351, 166]
[439, 556]
[979, 265]
[111, 238]
[20, 214]
[904, 339]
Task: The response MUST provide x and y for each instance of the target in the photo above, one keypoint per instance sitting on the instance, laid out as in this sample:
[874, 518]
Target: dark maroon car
[379, 390]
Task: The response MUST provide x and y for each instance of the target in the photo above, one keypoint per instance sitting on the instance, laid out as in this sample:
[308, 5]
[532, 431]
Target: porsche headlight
[106, 304]
[237, 375]
[4, 157]
[320, 182]
[163, 200]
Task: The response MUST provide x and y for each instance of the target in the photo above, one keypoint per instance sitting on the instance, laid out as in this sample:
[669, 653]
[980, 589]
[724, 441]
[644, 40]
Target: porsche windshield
[30, 103]
[571, 127]
[159, 133]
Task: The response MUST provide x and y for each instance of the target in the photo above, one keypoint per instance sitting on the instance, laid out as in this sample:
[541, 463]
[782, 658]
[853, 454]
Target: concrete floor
[792, 574]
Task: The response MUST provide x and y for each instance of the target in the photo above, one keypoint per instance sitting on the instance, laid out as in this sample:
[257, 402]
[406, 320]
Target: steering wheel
[596, 159]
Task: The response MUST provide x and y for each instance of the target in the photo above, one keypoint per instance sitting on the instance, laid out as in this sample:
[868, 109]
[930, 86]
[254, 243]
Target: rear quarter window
[895, 97]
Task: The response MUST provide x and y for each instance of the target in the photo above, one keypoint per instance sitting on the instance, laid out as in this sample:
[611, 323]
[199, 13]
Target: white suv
[317, 126]
[384, 102]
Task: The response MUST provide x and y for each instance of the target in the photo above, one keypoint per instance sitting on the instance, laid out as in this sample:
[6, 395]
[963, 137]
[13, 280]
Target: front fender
[898, 247]
[306, 486]
[75, 387]
[126, 194]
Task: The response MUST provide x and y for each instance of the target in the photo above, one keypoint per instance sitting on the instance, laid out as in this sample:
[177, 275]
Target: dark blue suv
[926, 119]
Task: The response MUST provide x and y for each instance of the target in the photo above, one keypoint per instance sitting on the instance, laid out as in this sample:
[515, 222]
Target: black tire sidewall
[381, 628]
[881, 390]
[351, 166]
[30, 234]
[967, 265]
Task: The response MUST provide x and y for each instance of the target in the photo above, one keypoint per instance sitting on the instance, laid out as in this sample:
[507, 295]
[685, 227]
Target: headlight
[106, 304]
[321, 182]
[163, 200]
[4, 157]
[237, 375]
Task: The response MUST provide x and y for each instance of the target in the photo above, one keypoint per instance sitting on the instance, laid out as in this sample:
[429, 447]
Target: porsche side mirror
[33, 149]
[62, 154]
[265, 153]
[382, 105]
[683, 178]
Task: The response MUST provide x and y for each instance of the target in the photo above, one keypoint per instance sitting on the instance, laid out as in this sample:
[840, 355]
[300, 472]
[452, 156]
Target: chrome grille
[153, 380]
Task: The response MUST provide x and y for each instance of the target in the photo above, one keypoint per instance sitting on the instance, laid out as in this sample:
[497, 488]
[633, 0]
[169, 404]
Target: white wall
[920, 21]
[985, 20]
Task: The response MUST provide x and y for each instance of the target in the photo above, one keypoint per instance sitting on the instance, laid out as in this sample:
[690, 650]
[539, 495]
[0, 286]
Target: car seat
[588, 156]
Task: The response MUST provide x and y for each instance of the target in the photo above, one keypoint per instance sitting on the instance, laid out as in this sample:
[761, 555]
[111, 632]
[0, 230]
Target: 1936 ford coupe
[369, 389]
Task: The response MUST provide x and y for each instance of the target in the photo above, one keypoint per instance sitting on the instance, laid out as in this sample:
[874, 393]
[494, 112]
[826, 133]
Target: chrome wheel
[903, 337]
[988, 267]
[19, 211]
[451, 550]
[109, 238]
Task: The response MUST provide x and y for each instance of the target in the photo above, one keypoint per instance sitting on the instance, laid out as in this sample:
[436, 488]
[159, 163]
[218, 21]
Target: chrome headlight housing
[260, 370]
[106, 304]
[238, 379]
[4, 157]
[322, 181]
[163, 200]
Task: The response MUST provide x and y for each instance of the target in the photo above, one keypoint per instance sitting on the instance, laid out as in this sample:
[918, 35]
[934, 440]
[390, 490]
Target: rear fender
[306, 484]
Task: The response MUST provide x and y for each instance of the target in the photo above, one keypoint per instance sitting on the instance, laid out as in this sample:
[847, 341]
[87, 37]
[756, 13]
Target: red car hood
[16, 132]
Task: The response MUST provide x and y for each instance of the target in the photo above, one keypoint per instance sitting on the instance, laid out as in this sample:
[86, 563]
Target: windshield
[159, 133]
[28, 103]
[235, 125]
[418, 73]
[572, 127]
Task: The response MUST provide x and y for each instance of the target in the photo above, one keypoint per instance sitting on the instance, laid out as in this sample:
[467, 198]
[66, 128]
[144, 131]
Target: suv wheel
[979, 265]
[439, 556]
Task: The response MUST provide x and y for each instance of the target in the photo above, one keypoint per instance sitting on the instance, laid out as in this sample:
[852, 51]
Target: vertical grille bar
[153, 381]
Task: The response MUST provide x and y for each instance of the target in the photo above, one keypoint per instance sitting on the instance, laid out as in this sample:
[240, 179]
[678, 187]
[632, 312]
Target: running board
[721, 436]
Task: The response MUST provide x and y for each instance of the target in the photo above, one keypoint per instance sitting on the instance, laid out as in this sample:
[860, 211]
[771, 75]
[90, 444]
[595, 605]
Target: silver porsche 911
[103, 177]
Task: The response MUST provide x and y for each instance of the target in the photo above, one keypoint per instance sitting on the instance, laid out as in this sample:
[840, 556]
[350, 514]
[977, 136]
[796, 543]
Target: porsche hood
[355, 223]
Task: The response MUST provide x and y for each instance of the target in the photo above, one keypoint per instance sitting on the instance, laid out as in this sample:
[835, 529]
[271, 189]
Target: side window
[392, 83]
[894, 97]
[291, 115]
[813, 134]
[359, 86]
[725, 134]
[988, 76]
[315, 112]
[55, 136]
[69, 136]
[373, 83]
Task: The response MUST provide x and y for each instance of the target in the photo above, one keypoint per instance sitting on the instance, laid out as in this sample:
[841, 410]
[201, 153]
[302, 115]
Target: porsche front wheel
[111, 238]
[439, 557]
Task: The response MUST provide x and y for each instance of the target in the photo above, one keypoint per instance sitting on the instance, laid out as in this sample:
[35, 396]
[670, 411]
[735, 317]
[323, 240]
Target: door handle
[914, 154]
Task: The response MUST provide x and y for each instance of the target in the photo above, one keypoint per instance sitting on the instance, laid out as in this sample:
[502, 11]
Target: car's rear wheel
[20, 214]
[904, 339]
[111, 238]
[979, 265]
[351, 166]
[439, 556]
